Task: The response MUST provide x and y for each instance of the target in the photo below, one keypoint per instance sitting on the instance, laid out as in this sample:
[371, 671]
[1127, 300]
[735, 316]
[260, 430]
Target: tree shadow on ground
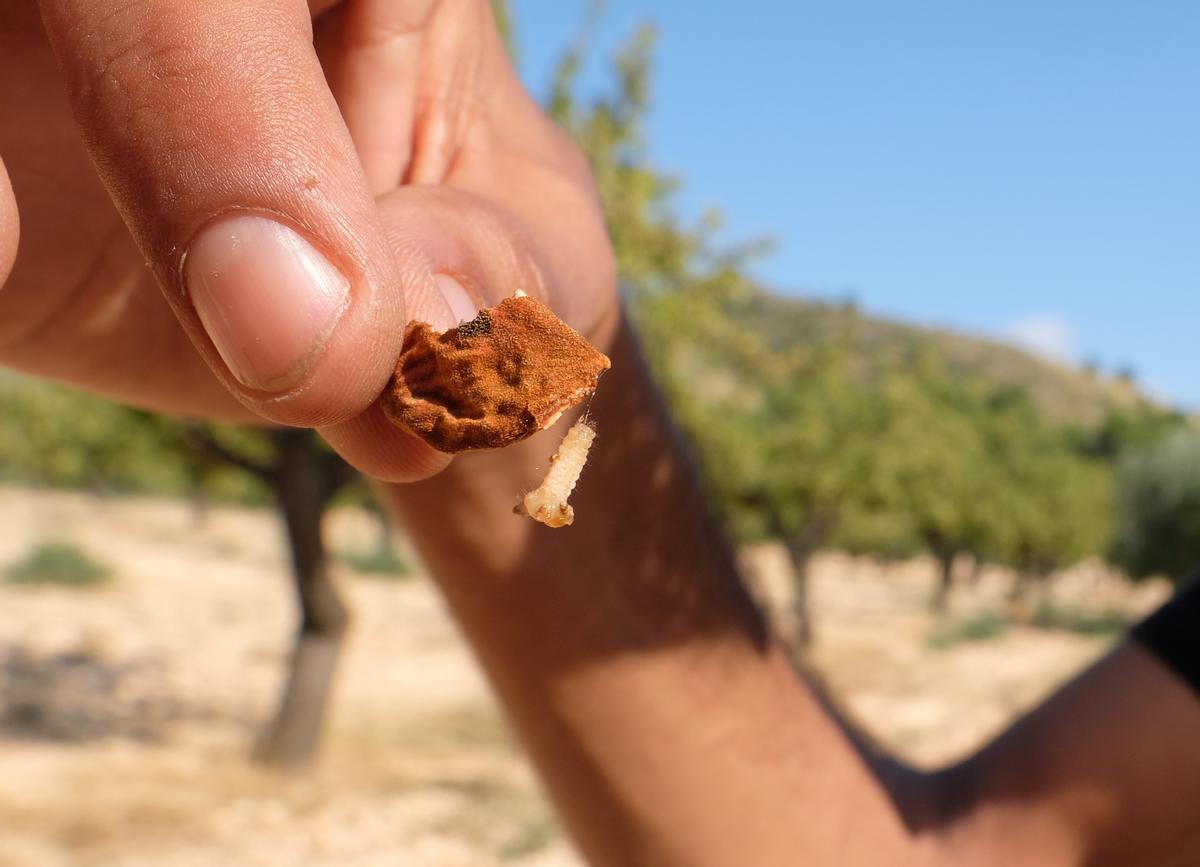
[76, 695]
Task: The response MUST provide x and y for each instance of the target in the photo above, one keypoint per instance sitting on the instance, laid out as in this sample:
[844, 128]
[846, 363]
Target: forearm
[667, 726]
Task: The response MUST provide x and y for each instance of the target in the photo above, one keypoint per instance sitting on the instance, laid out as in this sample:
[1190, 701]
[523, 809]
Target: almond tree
[304, 475]
[1158, 508]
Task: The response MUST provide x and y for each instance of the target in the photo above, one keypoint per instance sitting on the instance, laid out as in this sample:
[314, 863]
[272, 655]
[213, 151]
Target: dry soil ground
[126, 711]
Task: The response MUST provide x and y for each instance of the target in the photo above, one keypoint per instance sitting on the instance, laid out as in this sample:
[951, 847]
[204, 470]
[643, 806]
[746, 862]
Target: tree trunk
[1023, 579]
[1030, 589]
[386, 540]
[200, 507]
[293, 737]
[941, 594]
[801, 546]
[801, 632]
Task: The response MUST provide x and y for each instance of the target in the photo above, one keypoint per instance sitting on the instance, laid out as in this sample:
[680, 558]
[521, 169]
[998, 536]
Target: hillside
[1066, 394]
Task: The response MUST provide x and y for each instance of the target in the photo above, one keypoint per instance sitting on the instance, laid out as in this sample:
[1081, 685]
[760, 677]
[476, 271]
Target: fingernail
[462, 308]
[266, 297]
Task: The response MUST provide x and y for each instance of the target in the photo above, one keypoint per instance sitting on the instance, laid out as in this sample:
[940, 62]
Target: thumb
[212, 125]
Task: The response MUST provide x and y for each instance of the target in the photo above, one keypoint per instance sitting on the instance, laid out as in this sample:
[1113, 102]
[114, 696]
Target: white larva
[548, 503]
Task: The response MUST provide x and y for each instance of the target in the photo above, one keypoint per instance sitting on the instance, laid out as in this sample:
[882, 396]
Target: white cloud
[1045, 335]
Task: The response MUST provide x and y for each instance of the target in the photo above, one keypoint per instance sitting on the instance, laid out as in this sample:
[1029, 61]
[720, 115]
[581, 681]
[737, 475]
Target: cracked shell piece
[508, 373]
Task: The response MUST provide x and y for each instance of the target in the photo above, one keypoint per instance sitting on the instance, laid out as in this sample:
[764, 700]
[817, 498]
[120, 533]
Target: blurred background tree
[304, 476]
[933, 471]
[788, 456]
[54, 436]
[1158, 508]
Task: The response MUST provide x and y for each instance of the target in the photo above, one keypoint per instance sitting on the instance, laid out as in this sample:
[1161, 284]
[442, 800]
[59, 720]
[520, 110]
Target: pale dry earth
[126, 712]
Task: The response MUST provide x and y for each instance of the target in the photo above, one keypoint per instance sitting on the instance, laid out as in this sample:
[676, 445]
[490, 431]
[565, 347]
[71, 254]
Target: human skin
[671, 731]
[395, 137]
[668, 727]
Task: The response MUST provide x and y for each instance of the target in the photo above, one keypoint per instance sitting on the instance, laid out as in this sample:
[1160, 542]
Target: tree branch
[202, 440]
[335, 474]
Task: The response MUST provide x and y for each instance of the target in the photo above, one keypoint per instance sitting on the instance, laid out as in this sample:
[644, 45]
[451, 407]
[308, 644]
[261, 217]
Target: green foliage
[988, 625]
[54, 436]
[788, 449]
[1158, 508]
[54, 562]
[57, 437]
[972, 467]
[932, 464]
[1125, 429]
[985, 626]
[1071, 619]
[657, 257]
[502, 14]
[214, 475]
[1050, 506]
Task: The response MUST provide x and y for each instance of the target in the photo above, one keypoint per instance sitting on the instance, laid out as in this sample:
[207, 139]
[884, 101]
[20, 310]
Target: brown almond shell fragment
[506, 374]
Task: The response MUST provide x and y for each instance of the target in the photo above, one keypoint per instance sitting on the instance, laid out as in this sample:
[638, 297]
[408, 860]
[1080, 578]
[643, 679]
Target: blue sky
[1027, 170]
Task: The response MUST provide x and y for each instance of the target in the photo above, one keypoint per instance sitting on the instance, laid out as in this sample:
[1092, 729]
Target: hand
[300, 181]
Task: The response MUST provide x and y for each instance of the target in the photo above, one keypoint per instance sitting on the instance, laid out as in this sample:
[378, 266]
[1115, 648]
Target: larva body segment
[548, 503]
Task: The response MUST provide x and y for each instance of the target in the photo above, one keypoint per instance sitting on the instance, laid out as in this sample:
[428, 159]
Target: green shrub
[383, 561]
[58, 563]
[984, 626]
[536, 833]
[1082, 622]
[1158, 508]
